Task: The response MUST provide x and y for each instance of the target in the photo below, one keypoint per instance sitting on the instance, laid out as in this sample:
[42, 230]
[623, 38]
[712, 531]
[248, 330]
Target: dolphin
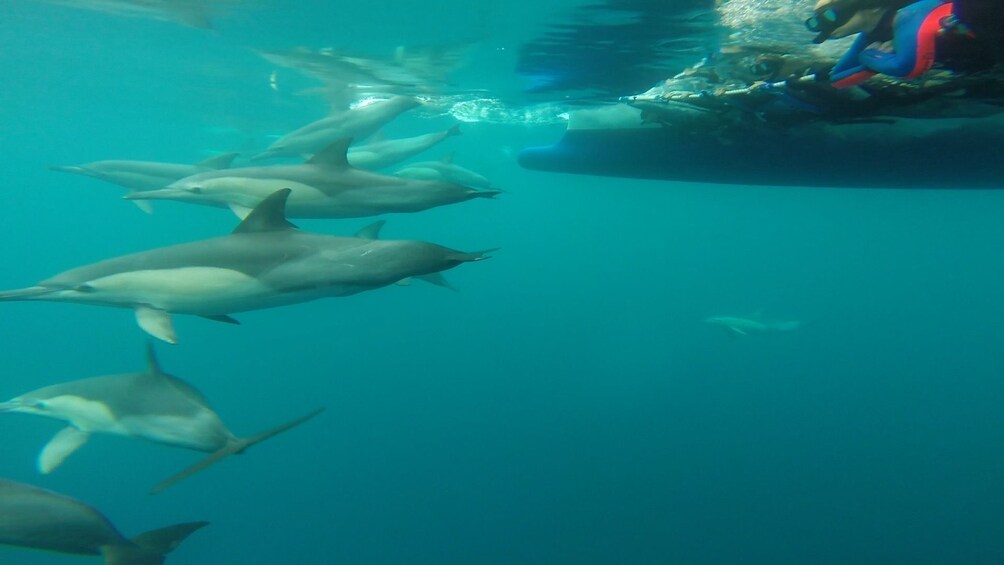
[444, 170]
[265, 262]
[379, 154]
[151, 405]
[145, 175]
[41, 519]
[326, 186]
[192, 13]
[357, 123]
[737, 326]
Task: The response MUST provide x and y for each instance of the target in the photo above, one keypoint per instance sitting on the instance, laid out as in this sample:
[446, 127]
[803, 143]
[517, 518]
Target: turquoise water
[567, 404]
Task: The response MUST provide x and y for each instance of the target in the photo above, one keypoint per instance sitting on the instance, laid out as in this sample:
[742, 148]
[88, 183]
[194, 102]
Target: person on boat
[906, 38]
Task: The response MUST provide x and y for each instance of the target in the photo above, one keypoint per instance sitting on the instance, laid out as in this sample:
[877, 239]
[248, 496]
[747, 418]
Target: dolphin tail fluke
[30, 293]
[454, 130]
[260, 437]
[150, 548]
[165, 540]
[234, 447]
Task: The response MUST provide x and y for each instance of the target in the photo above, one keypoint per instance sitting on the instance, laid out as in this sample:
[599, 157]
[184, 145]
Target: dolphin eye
[40, 404]
[195, 189]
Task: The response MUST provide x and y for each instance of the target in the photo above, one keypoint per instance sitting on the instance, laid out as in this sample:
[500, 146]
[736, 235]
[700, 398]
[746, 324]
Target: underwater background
[567, 404]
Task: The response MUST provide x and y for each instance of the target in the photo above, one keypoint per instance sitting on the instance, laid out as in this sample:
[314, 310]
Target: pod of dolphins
[266, 261]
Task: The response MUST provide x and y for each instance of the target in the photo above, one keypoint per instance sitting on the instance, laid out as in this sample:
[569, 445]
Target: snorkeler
[906, 38]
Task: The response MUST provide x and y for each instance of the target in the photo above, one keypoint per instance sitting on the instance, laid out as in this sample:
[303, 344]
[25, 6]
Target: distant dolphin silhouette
[41, 519]
[738, 326]
[445, 170]
[326, 186]
[358, 123]
[152, 405]
[379, 154]
[265, 262]
[145, 175]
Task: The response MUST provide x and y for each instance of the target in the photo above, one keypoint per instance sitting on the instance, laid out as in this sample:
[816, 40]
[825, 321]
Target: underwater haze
[568, 403]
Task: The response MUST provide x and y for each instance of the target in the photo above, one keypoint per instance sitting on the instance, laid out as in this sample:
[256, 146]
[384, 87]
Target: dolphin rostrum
[737, 326]
[379, 154]
[145, 175]
[151, 405]
[359, 122]
[326, 186]
[265, 262]
[41, 519]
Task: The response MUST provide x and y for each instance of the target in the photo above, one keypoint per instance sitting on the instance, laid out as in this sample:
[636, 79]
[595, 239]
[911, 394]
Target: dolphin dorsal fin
[269, 215]
[218, 162]
[334, 155]
[152, 366]
[371, 231]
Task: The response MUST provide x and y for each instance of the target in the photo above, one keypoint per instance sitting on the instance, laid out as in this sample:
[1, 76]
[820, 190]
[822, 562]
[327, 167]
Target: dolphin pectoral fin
[223, 318]
[406, 281]
[143, 205]
[236, 446]
[149, 548]
[734, 331]
[437, 279]
[61, 446]
[157, 323]
[239, 211]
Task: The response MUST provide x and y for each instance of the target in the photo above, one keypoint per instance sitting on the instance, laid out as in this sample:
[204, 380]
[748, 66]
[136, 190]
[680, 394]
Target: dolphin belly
[184, 290]
[202, 431]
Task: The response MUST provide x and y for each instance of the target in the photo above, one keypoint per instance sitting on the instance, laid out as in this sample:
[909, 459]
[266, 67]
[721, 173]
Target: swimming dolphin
[151, 405]
[737, 326]
[379, 154]
[193, 13]
[326, 186]
[145, 175]
[41, 519]
[444, 170]
[265, 262]
[357, 123]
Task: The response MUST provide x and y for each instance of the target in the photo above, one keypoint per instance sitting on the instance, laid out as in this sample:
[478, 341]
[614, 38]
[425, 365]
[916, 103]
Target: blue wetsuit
[924, 33]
